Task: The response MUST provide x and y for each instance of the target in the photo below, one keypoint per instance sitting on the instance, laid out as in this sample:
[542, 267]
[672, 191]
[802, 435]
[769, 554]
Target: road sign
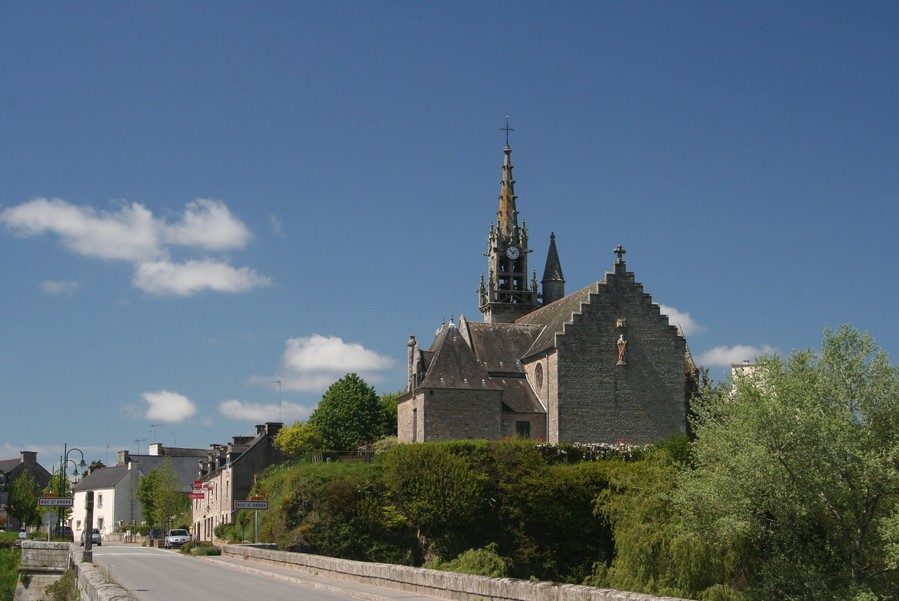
[50, 518]
[56, 502]
[195, 495]
[251, 505]
[198, 484]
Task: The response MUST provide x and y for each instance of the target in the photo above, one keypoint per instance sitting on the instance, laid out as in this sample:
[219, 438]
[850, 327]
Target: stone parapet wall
[434, 583]
[95, 586]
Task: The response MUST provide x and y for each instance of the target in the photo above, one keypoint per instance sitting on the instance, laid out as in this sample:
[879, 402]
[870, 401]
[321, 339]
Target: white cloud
[185, 279]
[312, 363]
[208, 224]
[131, 233]
[60, 287]
[277, 226]
[678, 318]
[168, 407]
[725, 356]
[261, 412]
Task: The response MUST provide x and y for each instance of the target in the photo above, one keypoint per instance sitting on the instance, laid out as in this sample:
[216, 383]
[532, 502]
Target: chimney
[155, 449]
[123, 459]
[29, 457]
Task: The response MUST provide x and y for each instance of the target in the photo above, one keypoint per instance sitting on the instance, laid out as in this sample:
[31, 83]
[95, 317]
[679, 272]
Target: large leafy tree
[797, 471]
[298, 439]
[23, 499]
[146, 495]
[349, 414]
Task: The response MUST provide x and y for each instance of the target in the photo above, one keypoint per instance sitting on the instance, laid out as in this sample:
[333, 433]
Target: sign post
[257, 505]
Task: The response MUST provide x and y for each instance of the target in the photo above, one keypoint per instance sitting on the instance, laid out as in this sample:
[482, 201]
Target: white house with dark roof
[115, 500]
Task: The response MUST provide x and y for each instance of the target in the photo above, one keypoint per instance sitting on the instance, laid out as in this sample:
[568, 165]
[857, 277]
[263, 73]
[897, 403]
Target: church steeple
[553, 280]
[505, 295]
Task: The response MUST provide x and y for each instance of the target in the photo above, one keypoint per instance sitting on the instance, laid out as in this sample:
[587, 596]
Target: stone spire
[553, 280]
[507, 216]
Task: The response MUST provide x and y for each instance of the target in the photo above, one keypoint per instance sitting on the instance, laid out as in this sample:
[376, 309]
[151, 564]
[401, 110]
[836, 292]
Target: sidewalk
[357, 590]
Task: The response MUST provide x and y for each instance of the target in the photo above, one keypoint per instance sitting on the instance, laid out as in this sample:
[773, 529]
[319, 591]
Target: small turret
[553, 280]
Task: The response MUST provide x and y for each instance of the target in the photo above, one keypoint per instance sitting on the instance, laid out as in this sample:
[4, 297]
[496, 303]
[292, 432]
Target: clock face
[512, 252]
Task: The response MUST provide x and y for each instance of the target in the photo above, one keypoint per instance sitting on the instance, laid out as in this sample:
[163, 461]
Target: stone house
[10, 471]
[227, 474]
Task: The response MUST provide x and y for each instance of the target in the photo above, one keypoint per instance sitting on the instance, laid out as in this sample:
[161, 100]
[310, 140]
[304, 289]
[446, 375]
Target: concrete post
[88, 555]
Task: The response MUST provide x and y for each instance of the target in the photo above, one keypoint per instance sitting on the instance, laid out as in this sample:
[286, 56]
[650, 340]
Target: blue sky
[200, 199]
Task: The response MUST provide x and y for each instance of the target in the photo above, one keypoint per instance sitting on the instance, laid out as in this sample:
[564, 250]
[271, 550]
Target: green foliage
[146, 495]
[389, 406]
[163, 502]
[797, 473]
[349, 414]
[23, 499]
[298, 440]
[64, 589]
[9, 571]
[205, 550]
[335, 509]
[436, 490]
[485, 562]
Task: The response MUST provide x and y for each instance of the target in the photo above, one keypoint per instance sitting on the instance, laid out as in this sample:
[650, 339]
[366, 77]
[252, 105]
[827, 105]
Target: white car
[176, 538]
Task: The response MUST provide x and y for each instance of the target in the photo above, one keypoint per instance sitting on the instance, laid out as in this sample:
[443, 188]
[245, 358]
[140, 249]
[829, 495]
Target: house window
[523, 429]
[100, 522]
[78, 525]
[100, 501]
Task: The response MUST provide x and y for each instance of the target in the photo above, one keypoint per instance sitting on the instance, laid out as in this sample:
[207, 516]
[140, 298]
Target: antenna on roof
[138, 441]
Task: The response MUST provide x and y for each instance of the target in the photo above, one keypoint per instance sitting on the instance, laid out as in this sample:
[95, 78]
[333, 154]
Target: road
[163, 575]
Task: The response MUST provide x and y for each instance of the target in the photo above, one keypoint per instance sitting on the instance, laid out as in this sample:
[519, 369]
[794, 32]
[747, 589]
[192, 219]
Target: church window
[538, 376]
[415, 425]
[523, 429]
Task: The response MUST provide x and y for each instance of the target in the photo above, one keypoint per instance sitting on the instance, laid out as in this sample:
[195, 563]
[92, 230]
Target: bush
[483, 562]
[64, 589]
[205, 550]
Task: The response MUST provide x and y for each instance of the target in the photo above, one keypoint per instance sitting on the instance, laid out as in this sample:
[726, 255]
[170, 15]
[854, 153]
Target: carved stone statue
[622, 350]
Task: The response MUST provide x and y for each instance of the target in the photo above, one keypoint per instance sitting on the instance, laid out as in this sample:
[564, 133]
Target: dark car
[95, 537]
[155, 533]
[68, 534]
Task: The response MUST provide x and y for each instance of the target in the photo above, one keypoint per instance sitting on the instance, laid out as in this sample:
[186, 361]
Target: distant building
[602, 364]
[227, 474]
[10, 471]
[116, 506]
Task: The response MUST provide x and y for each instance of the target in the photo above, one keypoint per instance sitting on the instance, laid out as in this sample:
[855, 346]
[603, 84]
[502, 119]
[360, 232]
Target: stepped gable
[454, 365]
[553, 317]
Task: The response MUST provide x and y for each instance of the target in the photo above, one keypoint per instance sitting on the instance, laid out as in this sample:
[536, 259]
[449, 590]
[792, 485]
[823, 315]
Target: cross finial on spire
[507, 129]
[619, 250]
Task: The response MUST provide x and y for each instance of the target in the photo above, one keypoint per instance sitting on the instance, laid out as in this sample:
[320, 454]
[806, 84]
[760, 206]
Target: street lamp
[63, 479]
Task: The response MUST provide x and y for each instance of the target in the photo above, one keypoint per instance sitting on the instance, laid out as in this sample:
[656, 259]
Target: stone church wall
[450, 414]
[601, 401]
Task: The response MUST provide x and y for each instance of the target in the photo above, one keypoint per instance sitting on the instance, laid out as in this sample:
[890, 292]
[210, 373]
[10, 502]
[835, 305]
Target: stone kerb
[446, 585]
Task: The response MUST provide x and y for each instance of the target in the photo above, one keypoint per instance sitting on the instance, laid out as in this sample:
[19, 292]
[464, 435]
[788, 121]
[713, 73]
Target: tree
[435, 490]
[169, 501]
[23, 498]
[797, 471]
[389, 403]
[146, 495]
[298, 439]
[348, 415]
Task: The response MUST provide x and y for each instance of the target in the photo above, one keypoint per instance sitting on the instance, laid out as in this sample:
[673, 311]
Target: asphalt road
[162, 575]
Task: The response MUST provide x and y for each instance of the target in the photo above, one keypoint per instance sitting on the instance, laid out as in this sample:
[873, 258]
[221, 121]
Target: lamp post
[63, 479]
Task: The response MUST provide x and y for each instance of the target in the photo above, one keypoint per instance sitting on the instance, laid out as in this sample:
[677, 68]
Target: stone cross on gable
[619, 250]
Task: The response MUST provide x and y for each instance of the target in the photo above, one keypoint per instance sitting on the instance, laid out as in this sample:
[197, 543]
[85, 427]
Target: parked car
[155, 533]
[176, 538]
[95, 537]
[67, 533]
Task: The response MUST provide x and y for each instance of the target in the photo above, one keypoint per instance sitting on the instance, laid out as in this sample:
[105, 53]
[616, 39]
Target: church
[599, 365]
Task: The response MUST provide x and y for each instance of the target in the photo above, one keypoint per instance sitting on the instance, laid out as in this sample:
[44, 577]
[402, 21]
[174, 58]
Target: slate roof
[105, 477]
[454, 364]
[499, 346]
[8, 465]
[553, 317]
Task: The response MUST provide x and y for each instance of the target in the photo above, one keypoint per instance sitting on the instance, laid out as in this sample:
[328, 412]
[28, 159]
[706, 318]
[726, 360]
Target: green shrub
[64, 589]
[204, 550]
[484, 562]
